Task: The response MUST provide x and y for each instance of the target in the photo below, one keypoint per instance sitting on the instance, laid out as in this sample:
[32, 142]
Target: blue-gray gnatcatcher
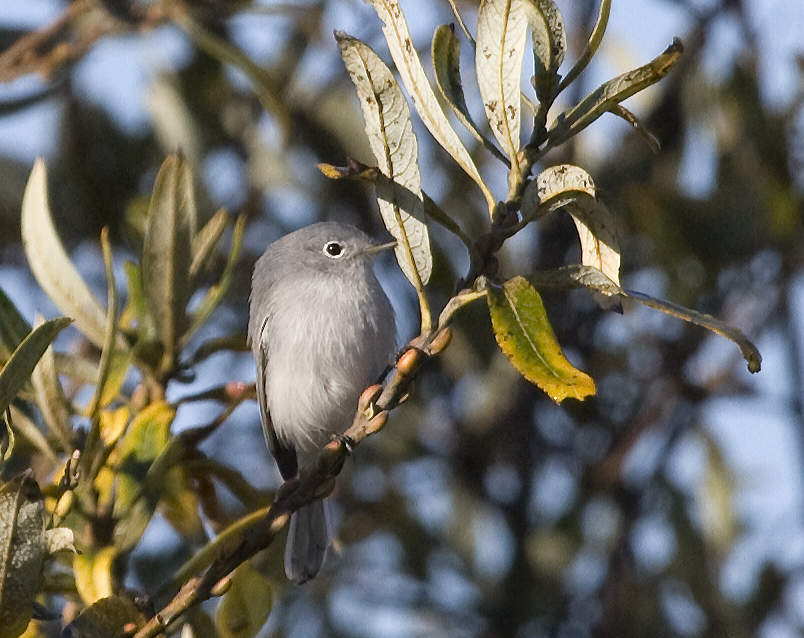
[322, 331]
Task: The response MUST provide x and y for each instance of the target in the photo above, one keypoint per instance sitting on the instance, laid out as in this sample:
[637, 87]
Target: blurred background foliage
[669, 504]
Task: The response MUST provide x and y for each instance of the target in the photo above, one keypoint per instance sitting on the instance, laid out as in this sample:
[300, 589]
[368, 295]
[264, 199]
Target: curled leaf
[526, 337]
[572, 188]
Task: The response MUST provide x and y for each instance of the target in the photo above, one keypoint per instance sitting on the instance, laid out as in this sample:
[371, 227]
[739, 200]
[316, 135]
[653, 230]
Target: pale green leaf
[390, 135]
[205, 241]
[526, 337]
[167, 252]
[22, 552]
[418, 86]
[608, 95]
[447, 66]
[50, 264]
[21, 365]
[591, 46]
[50, 397]
[217, 292]
[501, 34]
[549, 45]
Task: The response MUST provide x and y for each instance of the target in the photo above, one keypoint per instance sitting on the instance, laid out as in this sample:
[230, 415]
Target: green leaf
[217, 292]
[526, 337]
[592, 278]
[50, 264]
[108, 350]
[501, 33]
[246, 605]
[205, 241]
[50, 398]
[138, 489]
[20, 366]
[390, 135]
[167, 253]
[549, 45]
[591, 46]
[608, 95]
[418, 87]
[13, 327]
[108, 617]
[446, 53]
[22, 552]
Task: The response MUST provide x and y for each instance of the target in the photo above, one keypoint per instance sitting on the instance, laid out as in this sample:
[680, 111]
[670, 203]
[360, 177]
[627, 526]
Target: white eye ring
[334, 250]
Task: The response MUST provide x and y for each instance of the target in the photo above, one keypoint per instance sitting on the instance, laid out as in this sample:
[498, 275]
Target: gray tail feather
[309, 537]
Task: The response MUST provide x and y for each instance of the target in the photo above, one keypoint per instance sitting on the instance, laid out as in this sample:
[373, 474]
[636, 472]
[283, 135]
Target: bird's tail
[309, 536]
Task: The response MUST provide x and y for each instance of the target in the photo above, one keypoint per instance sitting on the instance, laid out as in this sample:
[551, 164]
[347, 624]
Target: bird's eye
[333, 249]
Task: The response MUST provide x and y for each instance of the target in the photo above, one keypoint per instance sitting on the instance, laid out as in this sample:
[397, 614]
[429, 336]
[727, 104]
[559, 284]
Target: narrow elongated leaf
[591, 46]
[20, 366]
[501, 33]
[13, 327]
[608, 95]
[526, 337]
[29, 430]
[592, 278]
[217, 292]
[22, 552]
[415, 80]
[167, 251]
[549, 45]
[50, 264]
[205, 241]
[50, 397]
[390, 135]
[446, 53]
[139, 483]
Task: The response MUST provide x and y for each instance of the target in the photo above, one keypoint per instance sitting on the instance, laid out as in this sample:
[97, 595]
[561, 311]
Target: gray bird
[321, 330]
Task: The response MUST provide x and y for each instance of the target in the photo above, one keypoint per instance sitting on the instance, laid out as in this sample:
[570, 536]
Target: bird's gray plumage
[321, 330]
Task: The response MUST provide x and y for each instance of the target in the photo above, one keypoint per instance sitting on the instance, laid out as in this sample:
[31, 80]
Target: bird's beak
[380, 247]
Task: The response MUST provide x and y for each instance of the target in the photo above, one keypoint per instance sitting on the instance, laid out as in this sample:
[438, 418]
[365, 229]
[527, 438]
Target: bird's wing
[285, 455]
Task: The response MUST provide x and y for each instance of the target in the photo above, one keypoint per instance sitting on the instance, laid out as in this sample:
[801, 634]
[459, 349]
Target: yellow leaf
[93, 573]
[526, 337]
